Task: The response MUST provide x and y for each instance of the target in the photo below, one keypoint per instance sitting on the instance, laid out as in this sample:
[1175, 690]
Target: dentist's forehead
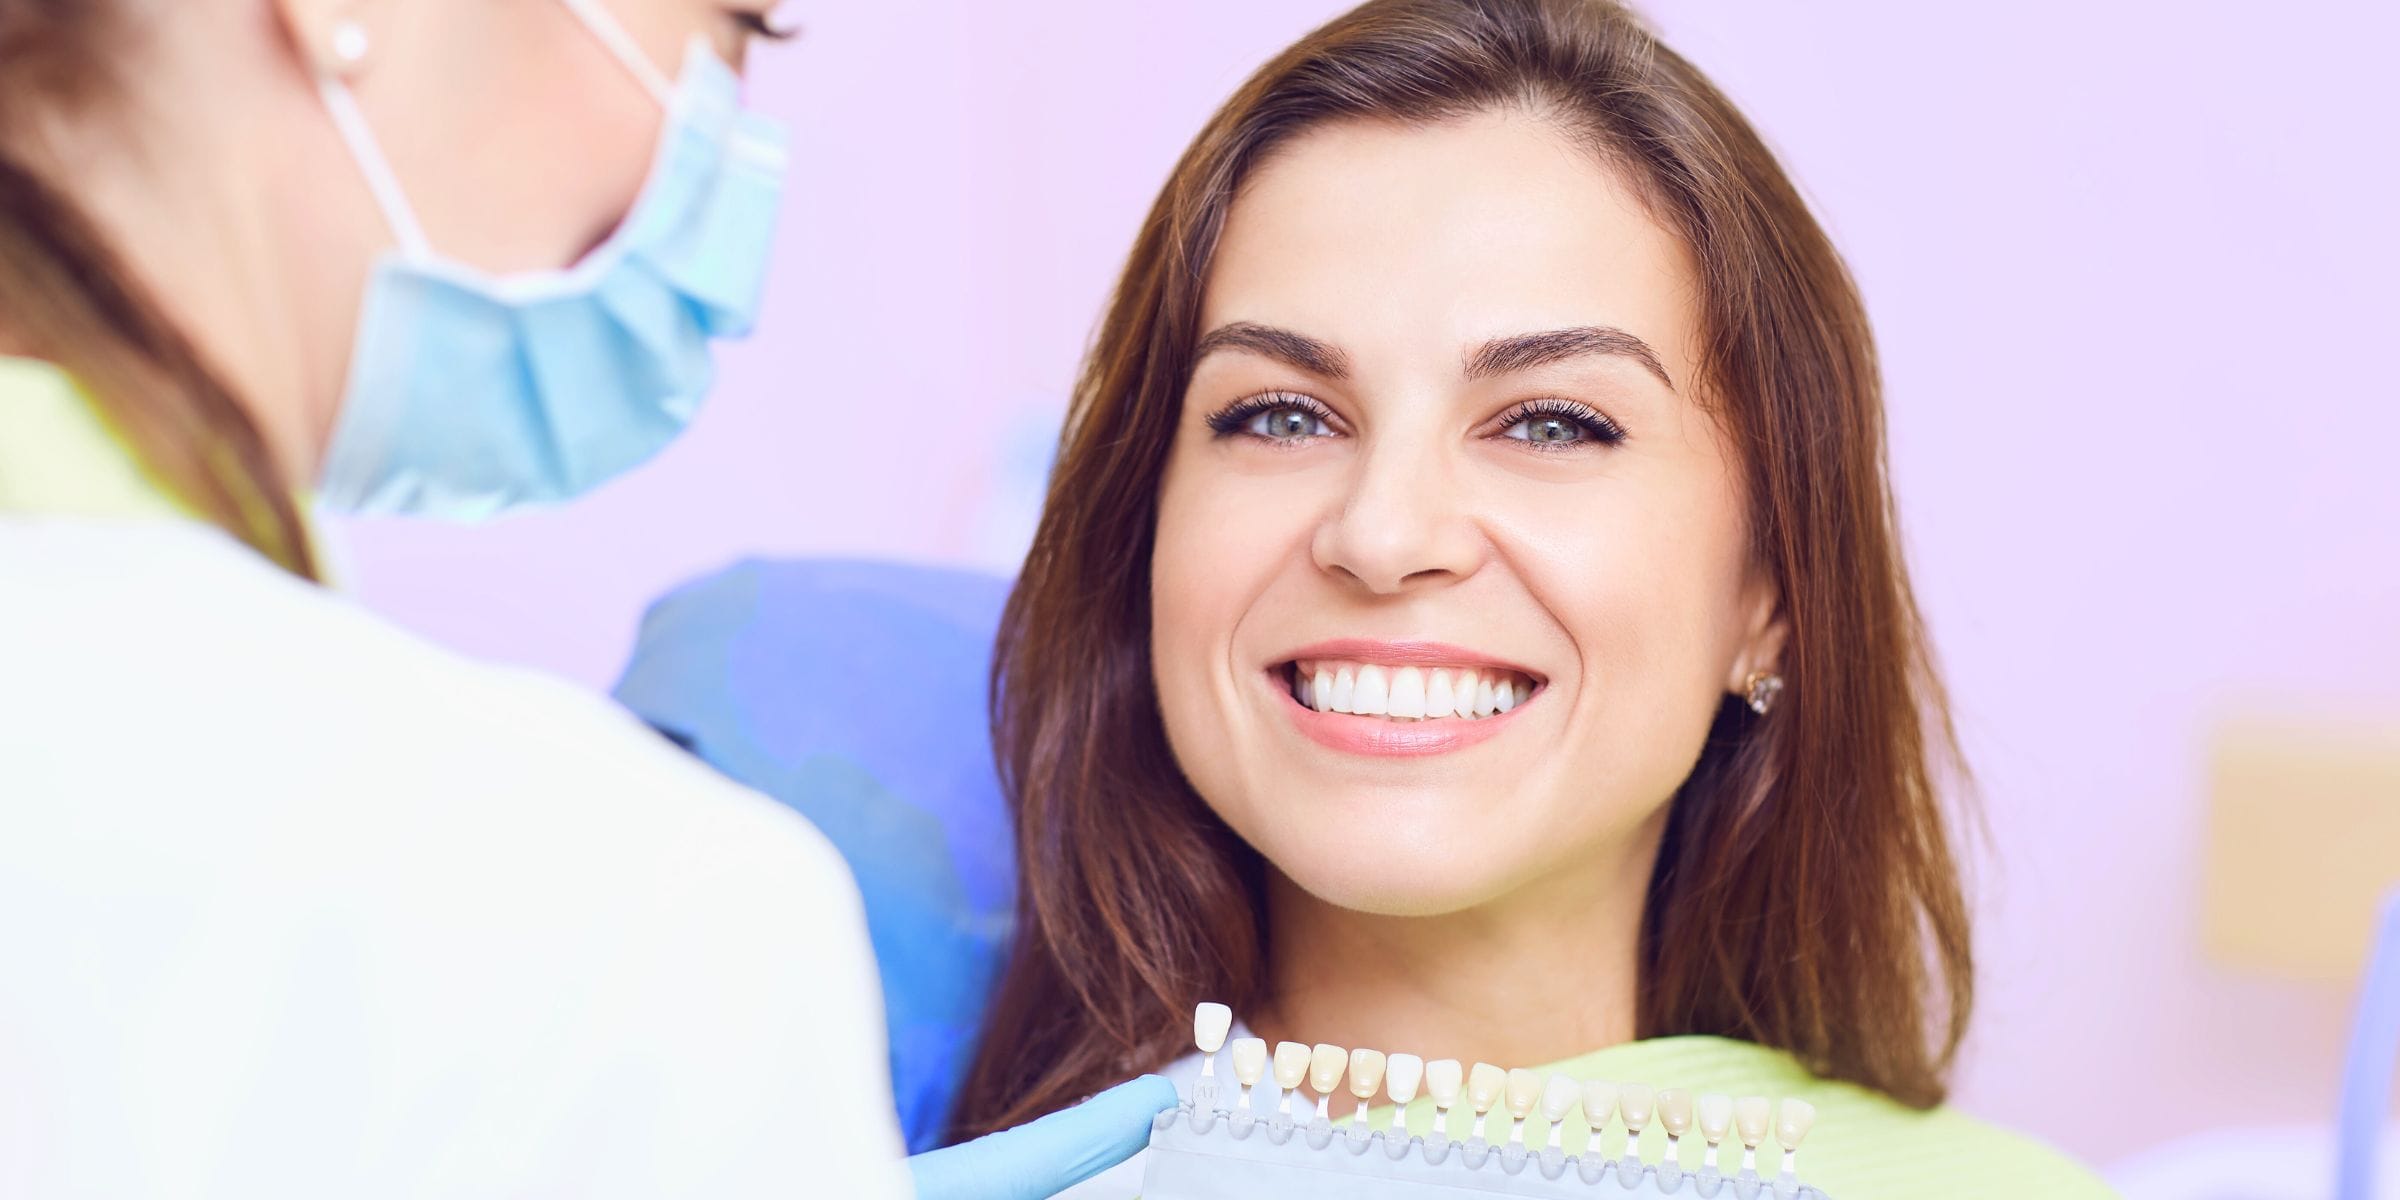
[1403, 242]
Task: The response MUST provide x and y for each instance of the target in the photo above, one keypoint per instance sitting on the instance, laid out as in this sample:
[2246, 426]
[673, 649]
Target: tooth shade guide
[1196, 1156]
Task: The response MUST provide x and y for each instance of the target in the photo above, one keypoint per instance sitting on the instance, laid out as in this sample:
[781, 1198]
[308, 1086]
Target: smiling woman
[1468, 615]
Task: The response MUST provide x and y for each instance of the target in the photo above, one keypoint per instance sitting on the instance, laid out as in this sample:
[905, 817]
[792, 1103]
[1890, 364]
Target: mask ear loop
[377, 170]
[621, 45]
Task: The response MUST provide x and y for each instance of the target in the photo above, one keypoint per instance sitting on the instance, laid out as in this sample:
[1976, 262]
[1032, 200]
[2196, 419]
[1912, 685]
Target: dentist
[292, 903]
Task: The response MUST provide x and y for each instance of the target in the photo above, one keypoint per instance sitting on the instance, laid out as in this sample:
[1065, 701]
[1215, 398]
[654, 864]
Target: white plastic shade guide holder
[1208, 1149]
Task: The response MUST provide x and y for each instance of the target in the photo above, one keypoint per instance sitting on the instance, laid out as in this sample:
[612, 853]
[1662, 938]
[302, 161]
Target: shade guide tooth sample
[1524, 1091]
[1291, 1064]
[1325, 1065]
[1198, 1152]
[1291, 1070]
[1210, 1023]
[1750, 1115]
[1366, 1078]
[1633, 1103]
[1485, 1082]
[1401, 1075]
[1443, 1078]
[1674, 1116]
[1599, 1108]
[1716, 1120]
[1560, 1096]
[1793, 1119]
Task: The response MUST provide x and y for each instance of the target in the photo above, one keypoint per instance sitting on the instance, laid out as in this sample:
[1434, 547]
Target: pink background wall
[2132, 268]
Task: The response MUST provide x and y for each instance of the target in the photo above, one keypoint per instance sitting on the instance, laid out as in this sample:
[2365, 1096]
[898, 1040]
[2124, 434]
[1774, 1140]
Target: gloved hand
[1039, 1159]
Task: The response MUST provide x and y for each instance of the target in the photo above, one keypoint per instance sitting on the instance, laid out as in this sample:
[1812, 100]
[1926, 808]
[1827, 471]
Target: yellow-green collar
[58, 455]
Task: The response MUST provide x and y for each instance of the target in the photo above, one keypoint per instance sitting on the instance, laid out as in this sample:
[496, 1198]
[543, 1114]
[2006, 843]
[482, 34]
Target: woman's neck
[1549, 971]
[223, 188]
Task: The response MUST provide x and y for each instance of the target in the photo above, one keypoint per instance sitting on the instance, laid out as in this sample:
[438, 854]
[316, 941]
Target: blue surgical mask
[471, 394]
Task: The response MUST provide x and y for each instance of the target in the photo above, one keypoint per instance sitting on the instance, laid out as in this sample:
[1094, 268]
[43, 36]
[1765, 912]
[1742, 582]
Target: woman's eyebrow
[1322, 359]
[1524, 351]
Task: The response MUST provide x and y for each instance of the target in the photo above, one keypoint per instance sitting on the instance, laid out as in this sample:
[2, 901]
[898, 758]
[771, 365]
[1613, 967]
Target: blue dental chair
[854, 692]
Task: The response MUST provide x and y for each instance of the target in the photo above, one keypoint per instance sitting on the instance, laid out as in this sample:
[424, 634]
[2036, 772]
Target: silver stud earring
[1761, 689]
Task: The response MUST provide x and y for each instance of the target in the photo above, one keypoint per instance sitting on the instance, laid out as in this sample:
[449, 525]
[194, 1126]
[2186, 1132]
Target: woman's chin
[1391, 877]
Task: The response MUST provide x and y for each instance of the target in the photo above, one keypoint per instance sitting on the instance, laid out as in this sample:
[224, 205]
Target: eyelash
[1230, 420]
[763, 25]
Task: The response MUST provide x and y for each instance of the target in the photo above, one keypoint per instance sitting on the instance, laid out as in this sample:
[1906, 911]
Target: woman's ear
[335, 38]
[1764, 633]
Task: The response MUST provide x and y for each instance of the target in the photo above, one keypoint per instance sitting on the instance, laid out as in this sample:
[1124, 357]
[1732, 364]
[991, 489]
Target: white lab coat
[295, 904]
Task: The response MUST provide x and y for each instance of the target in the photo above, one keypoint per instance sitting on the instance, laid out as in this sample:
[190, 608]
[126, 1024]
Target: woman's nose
[1404, 522]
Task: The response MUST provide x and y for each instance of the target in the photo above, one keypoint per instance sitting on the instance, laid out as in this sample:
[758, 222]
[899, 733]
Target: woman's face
[520, 140]
[1441, 453]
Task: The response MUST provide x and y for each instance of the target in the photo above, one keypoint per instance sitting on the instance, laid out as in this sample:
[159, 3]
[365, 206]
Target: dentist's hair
[67, 296]
[1806, 896]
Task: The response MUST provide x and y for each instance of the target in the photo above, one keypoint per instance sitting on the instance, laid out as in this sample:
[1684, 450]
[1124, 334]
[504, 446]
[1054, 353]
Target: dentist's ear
[334, 37]
[1764, 634]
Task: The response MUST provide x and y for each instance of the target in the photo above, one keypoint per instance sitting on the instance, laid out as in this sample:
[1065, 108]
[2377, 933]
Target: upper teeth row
[1408, 693]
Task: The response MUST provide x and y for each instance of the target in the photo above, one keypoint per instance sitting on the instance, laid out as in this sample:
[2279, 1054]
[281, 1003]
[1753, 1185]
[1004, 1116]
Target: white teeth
[1374, 696]
[1210, 1023]
[1408, 694]
[1440, 700]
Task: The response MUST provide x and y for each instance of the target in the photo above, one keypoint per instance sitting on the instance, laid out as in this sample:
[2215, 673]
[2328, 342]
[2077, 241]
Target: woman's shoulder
[1864, 1145]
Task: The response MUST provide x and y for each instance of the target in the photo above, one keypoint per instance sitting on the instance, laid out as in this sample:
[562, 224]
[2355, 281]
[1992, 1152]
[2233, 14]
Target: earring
[1761, 689]
[348, 42]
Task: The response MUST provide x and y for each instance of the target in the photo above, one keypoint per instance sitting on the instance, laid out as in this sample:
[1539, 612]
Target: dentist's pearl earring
[348, 44]
[1761, 689]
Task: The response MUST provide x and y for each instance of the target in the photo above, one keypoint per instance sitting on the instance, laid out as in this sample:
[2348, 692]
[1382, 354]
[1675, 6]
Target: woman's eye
[1547, 431]
[1561, 425]
[1286, 423]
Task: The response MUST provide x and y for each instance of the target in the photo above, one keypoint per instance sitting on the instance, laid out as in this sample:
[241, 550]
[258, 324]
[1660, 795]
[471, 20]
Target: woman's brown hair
[1805, 896]
[67, 297]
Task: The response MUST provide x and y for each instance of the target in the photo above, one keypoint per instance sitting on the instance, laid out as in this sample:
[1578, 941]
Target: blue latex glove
[1040, 1159]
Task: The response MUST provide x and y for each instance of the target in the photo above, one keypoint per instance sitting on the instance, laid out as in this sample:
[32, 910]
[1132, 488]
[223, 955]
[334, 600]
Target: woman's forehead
[1400, 241]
